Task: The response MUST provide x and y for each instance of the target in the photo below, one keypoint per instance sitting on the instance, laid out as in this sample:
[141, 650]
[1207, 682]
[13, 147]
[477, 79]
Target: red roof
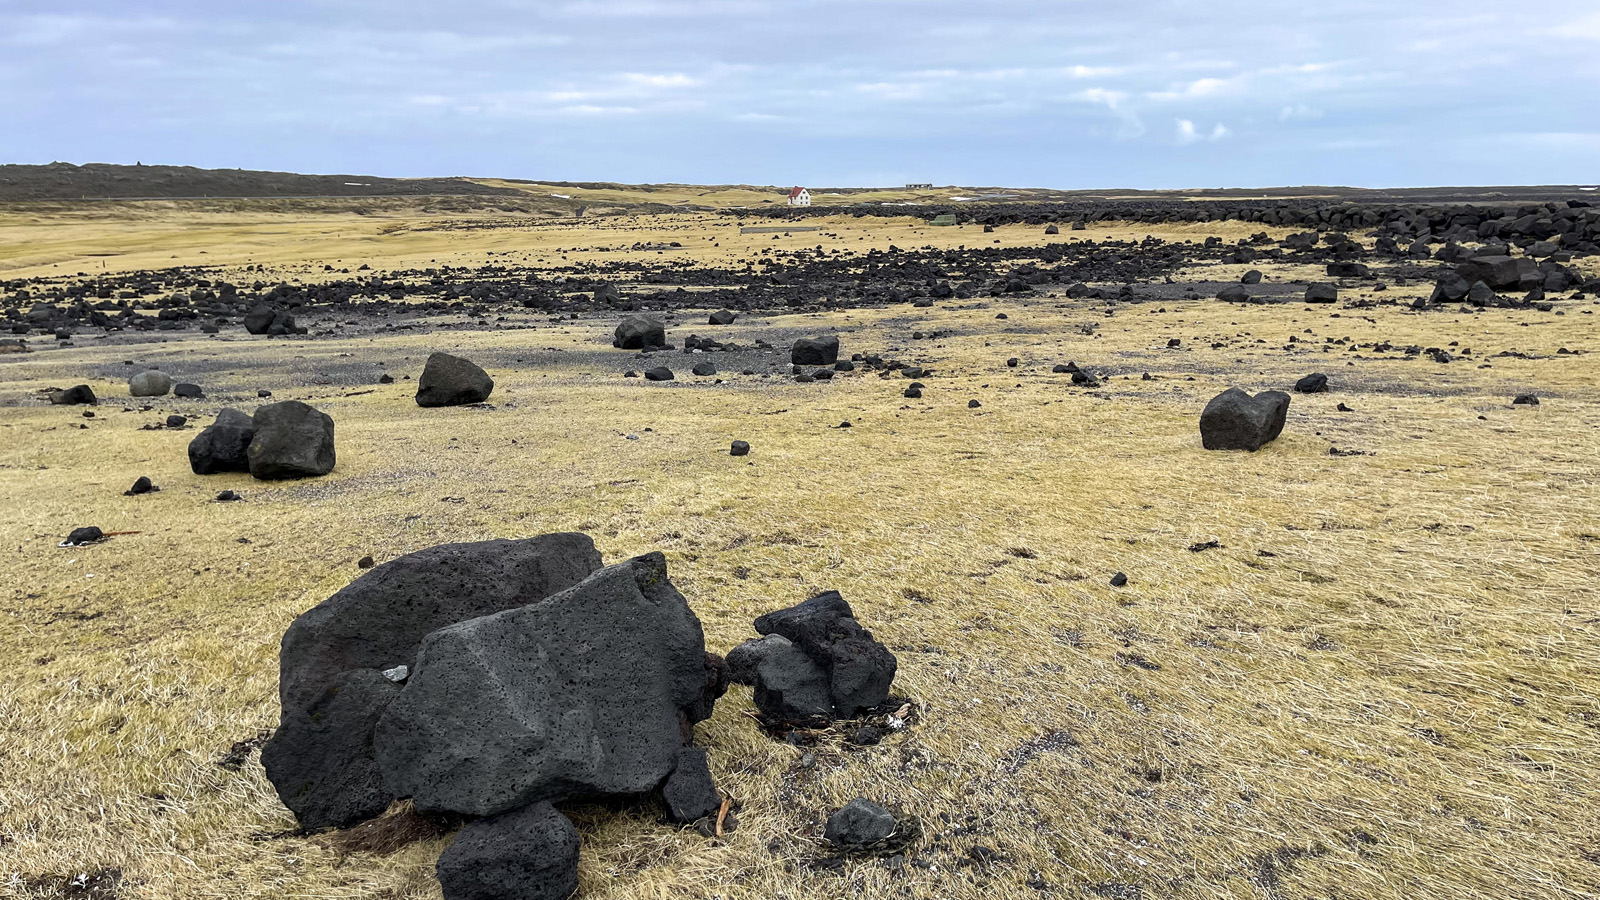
[795, 192]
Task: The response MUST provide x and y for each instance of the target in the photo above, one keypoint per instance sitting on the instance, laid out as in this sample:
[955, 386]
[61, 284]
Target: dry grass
[1383, 683]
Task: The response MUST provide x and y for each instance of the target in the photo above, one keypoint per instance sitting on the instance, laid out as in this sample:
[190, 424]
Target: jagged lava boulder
[639, 332]
[833, 667]
[814, 351]
[331, 685]
[1234, 420]
[452, 381]
[590, 692]
[292, 440]
[264, 318]
[223, 446]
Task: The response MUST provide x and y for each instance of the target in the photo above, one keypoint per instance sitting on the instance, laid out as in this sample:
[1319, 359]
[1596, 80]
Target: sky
[1050, 93]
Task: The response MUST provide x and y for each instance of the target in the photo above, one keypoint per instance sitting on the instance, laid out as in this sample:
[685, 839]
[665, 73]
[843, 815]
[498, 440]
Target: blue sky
[1054, 93]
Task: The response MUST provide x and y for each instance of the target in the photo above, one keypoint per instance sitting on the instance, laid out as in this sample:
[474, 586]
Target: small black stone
[1119, 579]
[228, 496]
[973, 404]
[140, 486]
[365, 562]
[86, 535]
[739, 448]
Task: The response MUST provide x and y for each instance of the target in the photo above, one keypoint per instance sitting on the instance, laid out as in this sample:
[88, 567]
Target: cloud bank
[1071, 93]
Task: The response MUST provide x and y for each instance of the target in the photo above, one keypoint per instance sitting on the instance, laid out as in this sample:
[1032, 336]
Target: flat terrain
[1382, 679]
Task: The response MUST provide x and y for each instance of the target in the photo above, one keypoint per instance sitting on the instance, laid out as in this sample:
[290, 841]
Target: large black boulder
[264, 318]
[639, 332]
[320, 759]
[526, 854]
[79, 395]
[1498, 272]
[589, 692]
[333, 656]
[791, 687]
[1315, 383]
[722, 317]
[292, 440]
[1234, 420]
[815, 351]
[1322, 292]
[223, 446]
[452, 381]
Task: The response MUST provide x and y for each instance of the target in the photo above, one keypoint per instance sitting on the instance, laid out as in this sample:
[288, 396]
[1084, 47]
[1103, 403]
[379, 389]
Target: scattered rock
[1315, 383]
[1234, 420]
[150, 383]
[141, 485]
[973, 404]
[639, 332]
[739, 448]
[722, 317]
[704, 369]
[223, 446]
[743, 659]
[659, 373]
[1119, 579]
[690, 792]
[857, 670]
[860, 825]
[74, 396]
[264, 318]
[228, 496]
[1251, 277]
[452, 381]
[1525, 400]
[814, 351]
[365, 562]
[87, 535]
[526, 854]
[177, 421]
[187, 391]
[1322, 293]
[292, 440]
[1234, 293]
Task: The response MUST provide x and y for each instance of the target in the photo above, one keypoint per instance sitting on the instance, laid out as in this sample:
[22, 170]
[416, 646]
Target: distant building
[799, 197]
[920, 187]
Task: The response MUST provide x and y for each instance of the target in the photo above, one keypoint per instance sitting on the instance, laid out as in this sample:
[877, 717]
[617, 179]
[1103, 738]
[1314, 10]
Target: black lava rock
[452, 381]
[1322, 293]
[585, 693]
[739, 448]
[526, 854]
[722, 317]
[690, 792]
[859, 825]
[659, 373]
[1525, 400]
[177, 421]
[815, 351]
[639, 332]
[1234, 420]
[223, 446]
[292, 440]
[332, 658]
[858, 669]
[74, 396]
[187, 391]
[1119, 579]
[704, 369]
[1315, 383]
[86, 535]
[141, 485]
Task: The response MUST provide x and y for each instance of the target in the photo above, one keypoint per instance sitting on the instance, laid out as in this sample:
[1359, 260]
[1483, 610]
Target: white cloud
[1188, 134]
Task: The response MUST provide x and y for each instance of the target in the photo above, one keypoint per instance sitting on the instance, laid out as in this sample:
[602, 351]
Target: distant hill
[100, 181]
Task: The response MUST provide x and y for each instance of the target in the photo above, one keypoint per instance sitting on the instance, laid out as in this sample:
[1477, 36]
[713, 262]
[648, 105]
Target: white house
[799, 197]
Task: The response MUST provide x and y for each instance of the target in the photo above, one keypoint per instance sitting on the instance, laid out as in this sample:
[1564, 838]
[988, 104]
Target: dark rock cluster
[491, 680]
[282, 440]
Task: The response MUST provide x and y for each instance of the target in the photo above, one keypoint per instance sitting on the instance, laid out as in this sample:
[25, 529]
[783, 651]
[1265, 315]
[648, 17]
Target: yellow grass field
[1383, 683]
